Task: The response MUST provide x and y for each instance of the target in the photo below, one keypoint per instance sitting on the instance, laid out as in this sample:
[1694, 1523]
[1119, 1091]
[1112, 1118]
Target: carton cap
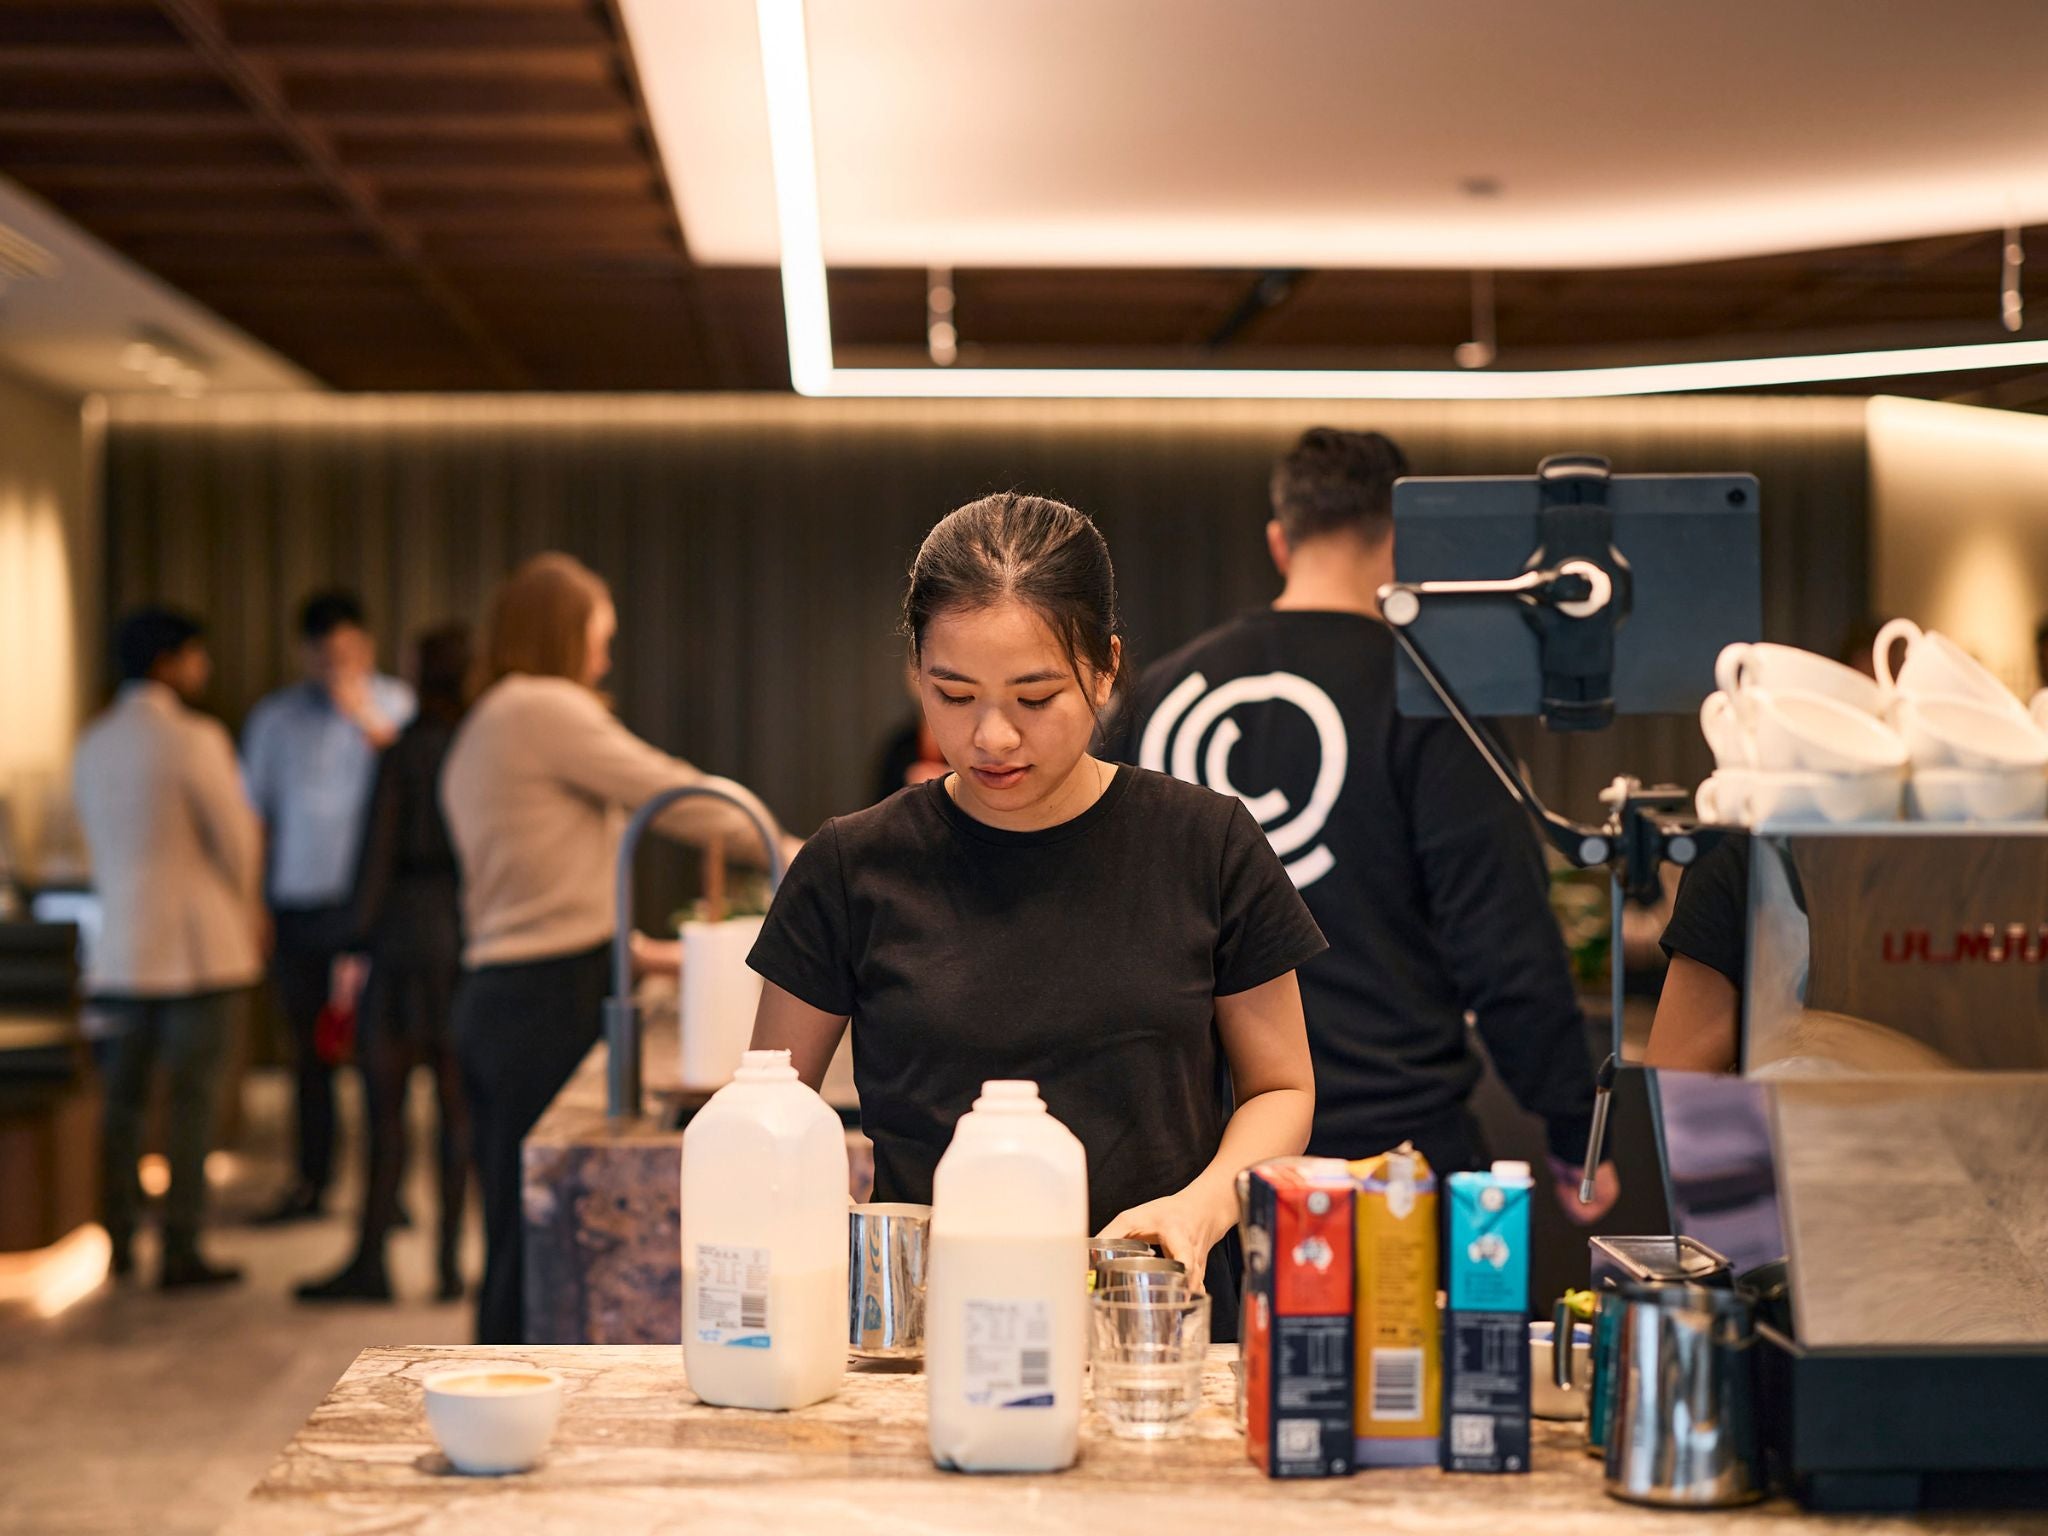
[1508, 1171]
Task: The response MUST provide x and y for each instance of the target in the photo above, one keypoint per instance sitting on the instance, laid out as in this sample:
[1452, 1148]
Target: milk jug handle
[1563, 1330]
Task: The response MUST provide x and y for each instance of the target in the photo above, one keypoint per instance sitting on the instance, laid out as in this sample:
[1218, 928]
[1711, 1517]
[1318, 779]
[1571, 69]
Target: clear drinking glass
[1147, 1369]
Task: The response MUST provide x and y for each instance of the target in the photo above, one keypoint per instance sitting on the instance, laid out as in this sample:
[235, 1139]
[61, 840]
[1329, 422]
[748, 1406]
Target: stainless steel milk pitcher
[1682, 1425]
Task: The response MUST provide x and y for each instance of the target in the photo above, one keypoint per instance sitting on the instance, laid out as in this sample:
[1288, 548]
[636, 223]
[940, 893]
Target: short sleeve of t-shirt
[1265, 928]
[805, 947]
[1709, 918]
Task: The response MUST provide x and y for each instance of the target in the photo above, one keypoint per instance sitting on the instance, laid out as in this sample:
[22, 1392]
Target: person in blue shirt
[309, 756]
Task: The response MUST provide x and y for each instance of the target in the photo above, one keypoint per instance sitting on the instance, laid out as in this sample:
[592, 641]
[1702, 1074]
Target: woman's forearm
[1275, 1123]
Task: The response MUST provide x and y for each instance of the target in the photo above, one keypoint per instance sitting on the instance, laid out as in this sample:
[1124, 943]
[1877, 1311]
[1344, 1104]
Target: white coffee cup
[1817, 732]
[1743, 667]
[1755, 797]
[1961, 733]
[1727, 737]
[1936, 667]
[491, 1419]
[1968, 794]
[1722, 799]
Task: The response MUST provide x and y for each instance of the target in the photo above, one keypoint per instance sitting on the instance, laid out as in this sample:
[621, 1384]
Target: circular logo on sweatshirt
[1191, 736]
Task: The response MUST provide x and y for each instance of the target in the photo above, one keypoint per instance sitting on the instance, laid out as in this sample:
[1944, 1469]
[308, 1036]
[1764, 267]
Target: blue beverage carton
[1486, 1321]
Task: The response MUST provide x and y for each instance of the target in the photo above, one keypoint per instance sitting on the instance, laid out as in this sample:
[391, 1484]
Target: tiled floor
[140, 1412]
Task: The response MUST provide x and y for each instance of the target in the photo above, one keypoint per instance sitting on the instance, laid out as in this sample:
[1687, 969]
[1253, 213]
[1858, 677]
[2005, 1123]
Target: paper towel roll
[719, 998]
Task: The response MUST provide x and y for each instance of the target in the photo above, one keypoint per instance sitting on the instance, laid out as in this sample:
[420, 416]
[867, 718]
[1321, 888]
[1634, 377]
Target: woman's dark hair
[445, 669]
[148, 635]
[1039, 551]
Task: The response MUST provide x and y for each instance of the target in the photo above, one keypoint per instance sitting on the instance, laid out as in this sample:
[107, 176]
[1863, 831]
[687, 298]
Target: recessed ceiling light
[786, 72]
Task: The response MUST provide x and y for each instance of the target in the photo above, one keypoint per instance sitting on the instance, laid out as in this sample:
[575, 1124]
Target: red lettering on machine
[2014, 944]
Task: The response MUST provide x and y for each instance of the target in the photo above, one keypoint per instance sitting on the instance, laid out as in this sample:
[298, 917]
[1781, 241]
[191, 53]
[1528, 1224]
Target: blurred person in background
[537, 789]
[911, 754]
[309, 755]
[1422, 872]
[408, 922]
[177, 867]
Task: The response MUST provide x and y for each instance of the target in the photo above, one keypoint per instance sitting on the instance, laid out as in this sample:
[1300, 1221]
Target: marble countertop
[635, 1454]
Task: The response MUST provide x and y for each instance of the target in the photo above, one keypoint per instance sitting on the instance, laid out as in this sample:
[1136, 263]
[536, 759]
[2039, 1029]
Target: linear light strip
[785, 65]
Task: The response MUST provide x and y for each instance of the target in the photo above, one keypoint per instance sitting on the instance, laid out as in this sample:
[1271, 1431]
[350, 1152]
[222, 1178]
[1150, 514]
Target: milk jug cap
[765, 1067]
[1009, 1096]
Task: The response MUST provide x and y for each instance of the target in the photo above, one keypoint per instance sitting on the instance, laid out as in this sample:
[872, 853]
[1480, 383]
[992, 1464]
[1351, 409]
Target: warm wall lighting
[786, 71]
[38, 663]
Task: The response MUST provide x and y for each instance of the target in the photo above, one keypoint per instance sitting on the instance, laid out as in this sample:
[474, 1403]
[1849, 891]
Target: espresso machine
[1878, 1164]
[1892, 1024]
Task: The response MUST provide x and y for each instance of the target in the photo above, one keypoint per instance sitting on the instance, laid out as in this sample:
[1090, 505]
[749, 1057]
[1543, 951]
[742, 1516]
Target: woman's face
[597, 642]
[1009, 715]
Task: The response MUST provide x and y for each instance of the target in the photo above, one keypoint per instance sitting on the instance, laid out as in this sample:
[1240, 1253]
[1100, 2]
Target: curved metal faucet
[622, 1025]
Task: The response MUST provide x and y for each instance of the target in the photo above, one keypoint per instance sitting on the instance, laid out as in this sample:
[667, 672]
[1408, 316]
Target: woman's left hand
[1186, 1225]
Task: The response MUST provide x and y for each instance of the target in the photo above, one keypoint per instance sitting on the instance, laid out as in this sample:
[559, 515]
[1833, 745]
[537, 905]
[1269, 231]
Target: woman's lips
[999, 778]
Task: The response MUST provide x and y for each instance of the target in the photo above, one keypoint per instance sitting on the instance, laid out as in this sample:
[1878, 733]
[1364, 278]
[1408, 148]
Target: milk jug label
[1009, 1354]
[732, 1296]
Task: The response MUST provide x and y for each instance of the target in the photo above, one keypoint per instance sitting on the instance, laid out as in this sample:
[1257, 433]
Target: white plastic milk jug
[1007, 1289]
[764, 1241]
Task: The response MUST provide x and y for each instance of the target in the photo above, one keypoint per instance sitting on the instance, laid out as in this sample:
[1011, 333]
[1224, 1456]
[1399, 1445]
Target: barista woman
[1126, 940]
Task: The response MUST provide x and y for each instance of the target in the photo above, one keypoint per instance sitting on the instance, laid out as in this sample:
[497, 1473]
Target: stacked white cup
[1977, 754]
[1797, 740]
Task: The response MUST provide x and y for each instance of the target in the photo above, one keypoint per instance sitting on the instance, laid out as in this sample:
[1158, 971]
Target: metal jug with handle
[1682, 1424]
[1618, 1261]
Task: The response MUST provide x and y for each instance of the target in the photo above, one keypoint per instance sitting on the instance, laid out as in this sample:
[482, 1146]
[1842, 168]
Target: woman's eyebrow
[1044, 675]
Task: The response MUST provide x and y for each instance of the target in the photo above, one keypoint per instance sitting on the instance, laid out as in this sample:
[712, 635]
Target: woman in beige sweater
[537, 788]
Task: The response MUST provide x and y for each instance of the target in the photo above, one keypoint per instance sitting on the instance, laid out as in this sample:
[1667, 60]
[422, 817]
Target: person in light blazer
[177, 867]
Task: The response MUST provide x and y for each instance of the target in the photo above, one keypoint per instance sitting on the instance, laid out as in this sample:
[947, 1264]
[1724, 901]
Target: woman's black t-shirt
[1086, 957]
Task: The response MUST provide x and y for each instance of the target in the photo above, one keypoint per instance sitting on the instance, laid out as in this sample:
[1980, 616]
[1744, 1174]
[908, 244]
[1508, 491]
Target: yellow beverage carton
[1399, 1414]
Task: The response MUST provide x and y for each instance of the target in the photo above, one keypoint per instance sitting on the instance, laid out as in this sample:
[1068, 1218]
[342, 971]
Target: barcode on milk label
[1397, 1385]
[1300, 1439]
[1008, 1355]
[732, 1296]
[1471, 1434]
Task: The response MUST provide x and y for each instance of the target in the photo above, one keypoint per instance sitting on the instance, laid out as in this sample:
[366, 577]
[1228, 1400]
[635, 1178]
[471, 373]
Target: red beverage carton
[1299, 1229]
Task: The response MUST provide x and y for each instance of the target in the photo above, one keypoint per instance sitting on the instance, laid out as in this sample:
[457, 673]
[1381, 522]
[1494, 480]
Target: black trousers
[405, 1019]
[520, 1031]
[309, 939]
[188, 1037]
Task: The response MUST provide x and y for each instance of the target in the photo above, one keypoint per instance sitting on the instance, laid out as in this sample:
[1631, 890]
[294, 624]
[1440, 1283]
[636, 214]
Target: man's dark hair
[1333, 481]
[146, 636]
[325, 612]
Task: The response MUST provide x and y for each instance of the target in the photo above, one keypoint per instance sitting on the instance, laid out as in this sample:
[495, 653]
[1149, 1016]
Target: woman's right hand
[655, 957]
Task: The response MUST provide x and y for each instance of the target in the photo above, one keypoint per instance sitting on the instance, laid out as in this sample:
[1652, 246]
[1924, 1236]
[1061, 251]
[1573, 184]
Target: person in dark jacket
[1424, 875]
[407, 914]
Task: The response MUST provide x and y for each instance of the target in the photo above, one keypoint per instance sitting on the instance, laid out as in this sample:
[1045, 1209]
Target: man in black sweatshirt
[1424, 875]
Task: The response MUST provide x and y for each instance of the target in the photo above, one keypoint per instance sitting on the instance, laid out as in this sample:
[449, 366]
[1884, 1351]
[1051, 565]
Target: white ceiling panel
[1344, 133]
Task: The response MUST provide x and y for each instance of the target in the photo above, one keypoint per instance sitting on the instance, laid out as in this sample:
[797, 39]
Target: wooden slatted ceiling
[395, 195]
[465, 195]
